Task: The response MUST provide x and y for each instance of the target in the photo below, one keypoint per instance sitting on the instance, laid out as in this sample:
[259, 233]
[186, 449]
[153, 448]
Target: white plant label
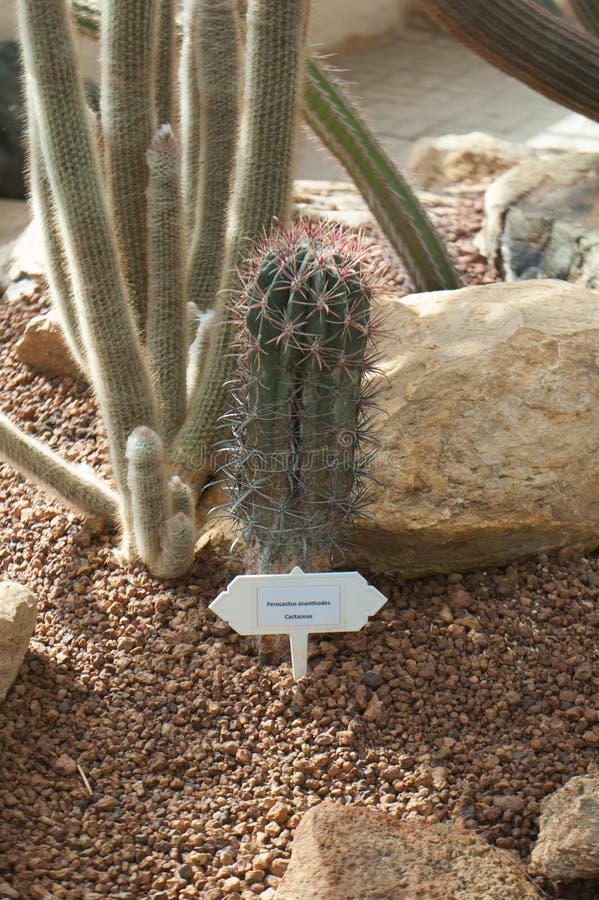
[298, 604]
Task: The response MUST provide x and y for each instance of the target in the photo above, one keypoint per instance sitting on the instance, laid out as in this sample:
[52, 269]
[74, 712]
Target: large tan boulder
[568, 844]
[18, 607]
[346, 852]
[490, 439]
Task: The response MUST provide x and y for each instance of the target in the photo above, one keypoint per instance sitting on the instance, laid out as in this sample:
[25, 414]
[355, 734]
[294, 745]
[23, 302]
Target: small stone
[279, 867]
[445, 614]
[185, 872]
[65, 765]
[372, 679]
[8, 892]
[43, 347]
[232, 885]
[373, 710]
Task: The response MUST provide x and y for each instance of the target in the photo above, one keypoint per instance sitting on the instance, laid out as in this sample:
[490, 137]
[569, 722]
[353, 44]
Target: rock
[12, 120]
[541, 220]
[488, 443]
[18, 607]
[65, 765]
[345, 852]
[43, 347]
[568, 844]
[437, 162]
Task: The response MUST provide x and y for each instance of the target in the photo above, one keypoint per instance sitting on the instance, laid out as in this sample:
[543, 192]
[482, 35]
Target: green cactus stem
[393, 203]
[587, 13]
[528, 42]
[57, 274]
[76, 485]
[219, 70]
[167, 331]
[119, 373]
[274, 76]
[296, 466]
[127, 51]
[164, 537]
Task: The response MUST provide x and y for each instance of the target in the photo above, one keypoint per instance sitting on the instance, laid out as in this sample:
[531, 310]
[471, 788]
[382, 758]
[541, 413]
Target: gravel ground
[147, 752]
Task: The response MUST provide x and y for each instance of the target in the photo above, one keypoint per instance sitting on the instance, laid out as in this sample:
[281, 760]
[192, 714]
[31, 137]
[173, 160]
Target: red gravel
[467, 697]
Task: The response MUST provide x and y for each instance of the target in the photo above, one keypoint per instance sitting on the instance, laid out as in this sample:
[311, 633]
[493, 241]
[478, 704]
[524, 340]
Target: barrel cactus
[302, 407]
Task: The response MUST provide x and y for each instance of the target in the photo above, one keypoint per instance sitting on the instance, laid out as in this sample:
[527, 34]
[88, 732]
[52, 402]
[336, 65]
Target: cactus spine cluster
[297, 463]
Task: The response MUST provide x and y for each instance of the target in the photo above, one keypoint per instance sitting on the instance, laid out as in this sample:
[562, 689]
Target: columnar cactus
[296, 465]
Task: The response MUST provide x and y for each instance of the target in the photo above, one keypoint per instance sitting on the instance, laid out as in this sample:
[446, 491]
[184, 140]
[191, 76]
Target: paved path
[426, 83]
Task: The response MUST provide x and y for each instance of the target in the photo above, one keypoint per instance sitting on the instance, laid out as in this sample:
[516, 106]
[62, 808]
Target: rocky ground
[148, 753]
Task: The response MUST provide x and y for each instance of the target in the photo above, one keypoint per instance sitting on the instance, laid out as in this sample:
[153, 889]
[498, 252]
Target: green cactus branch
[76, 485]
[521, 38]
[587, 13]
[395, 206]
[118, 369]
[167, 321]
[128, 44]
[57, 274]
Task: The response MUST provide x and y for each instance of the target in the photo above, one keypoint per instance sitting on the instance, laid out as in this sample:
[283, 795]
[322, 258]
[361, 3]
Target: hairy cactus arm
[218, 68]
[164, 529]
[167, 323]
[119, 372]
[76, 485]
[164, 79]
[128, 42]
[528, 42]
[57, 274]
